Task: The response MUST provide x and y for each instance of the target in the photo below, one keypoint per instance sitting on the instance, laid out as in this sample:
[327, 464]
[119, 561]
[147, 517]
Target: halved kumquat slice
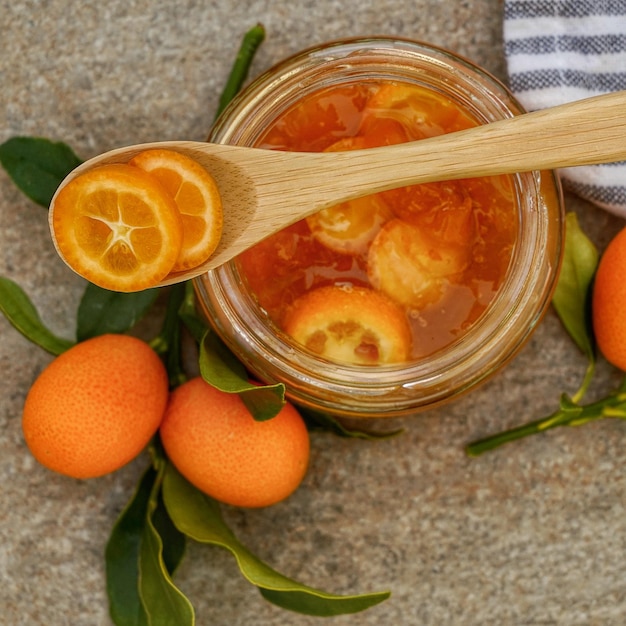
[354, 325]
[423, 111]
[349, 227]
[116, 226]
[412, 267]
[197, 198]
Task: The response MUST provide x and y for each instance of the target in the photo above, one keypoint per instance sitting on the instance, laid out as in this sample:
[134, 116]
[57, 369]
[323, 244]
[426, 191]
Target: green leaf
[571, 297]
[102, 311]
[174, 542]
[122, 557]
[220, 368]
[188, 313]
[37, 166]
[168, 343]
[23, 316]
[322, 605]
[143, 538]
[198, 516]
[163, 602]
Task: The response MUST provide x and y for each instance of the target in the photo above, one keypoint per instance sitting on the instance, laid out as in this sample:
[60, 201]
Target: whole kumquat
[213, 440]
[96, 406]
[609, 302]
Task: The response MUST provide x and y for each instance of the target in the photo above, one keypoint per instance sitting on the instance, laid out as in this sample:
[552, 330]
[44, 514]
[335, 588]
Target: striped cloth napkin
[563, 50]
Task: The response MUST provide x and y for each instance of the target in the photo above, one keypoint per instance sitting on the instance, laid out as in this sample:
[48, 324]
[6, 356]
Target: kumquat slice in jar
[354, 325]
[411, 266]
[422, 112]
[350, 227]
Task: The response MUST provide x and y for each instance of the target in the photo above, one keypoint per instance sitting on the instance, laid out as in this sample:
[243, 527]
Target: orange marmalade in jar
[393, 276]
[403, 299]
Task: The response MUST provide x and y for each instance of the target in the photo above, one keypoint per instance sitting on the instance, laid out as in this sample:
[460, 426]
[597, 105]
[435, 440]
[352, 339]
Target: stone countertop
[533, 533]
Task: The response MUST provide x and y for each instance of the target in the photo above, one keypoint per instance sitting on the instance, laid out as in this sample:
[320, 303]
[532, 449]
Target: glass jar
[491, 341]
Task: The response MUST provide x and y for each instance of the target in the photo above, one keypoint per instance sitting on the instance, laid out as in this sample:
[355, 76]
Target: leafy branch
[571, 302]
[147, 542]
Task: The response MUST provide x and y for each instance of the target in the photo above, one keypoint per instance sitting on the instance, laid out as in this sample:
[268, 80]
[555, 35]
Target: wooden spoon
[265, 190]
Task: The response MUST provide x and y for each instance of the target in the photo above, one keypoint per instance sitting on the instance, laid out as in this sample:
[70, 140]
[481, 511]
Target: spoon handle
[584, 132]
[291, 185]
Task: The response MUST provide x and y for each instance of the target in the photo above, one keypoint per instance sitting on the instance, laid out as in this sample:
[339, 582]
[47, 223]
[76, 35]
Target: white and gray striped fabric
[563, 50]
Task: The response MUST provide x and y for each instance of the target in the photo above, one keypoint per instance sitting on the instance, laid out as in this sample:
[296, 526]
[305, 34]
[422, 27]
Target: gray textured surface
[531, 534]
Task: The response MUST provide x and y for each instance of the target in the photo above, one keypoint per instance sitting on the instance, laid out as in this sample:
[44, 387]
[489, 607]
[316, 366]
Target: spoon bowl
[263, 191]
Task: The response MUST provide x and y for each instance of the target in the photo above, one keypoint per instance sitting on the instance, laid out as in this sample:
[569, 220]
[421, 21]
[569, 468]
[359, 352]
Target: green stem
[569, 414]
[239, 72]
[167, 342]
[480, 446]
[589, 373]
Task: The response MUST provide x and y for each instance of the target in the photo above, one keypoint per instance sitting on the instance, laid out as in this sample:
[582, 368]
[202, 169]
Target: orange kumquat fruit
[96, 406]
[115, 226]
[350, 325]
[215, 443]
[197, 198]
[126, 227]
[609, 302]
